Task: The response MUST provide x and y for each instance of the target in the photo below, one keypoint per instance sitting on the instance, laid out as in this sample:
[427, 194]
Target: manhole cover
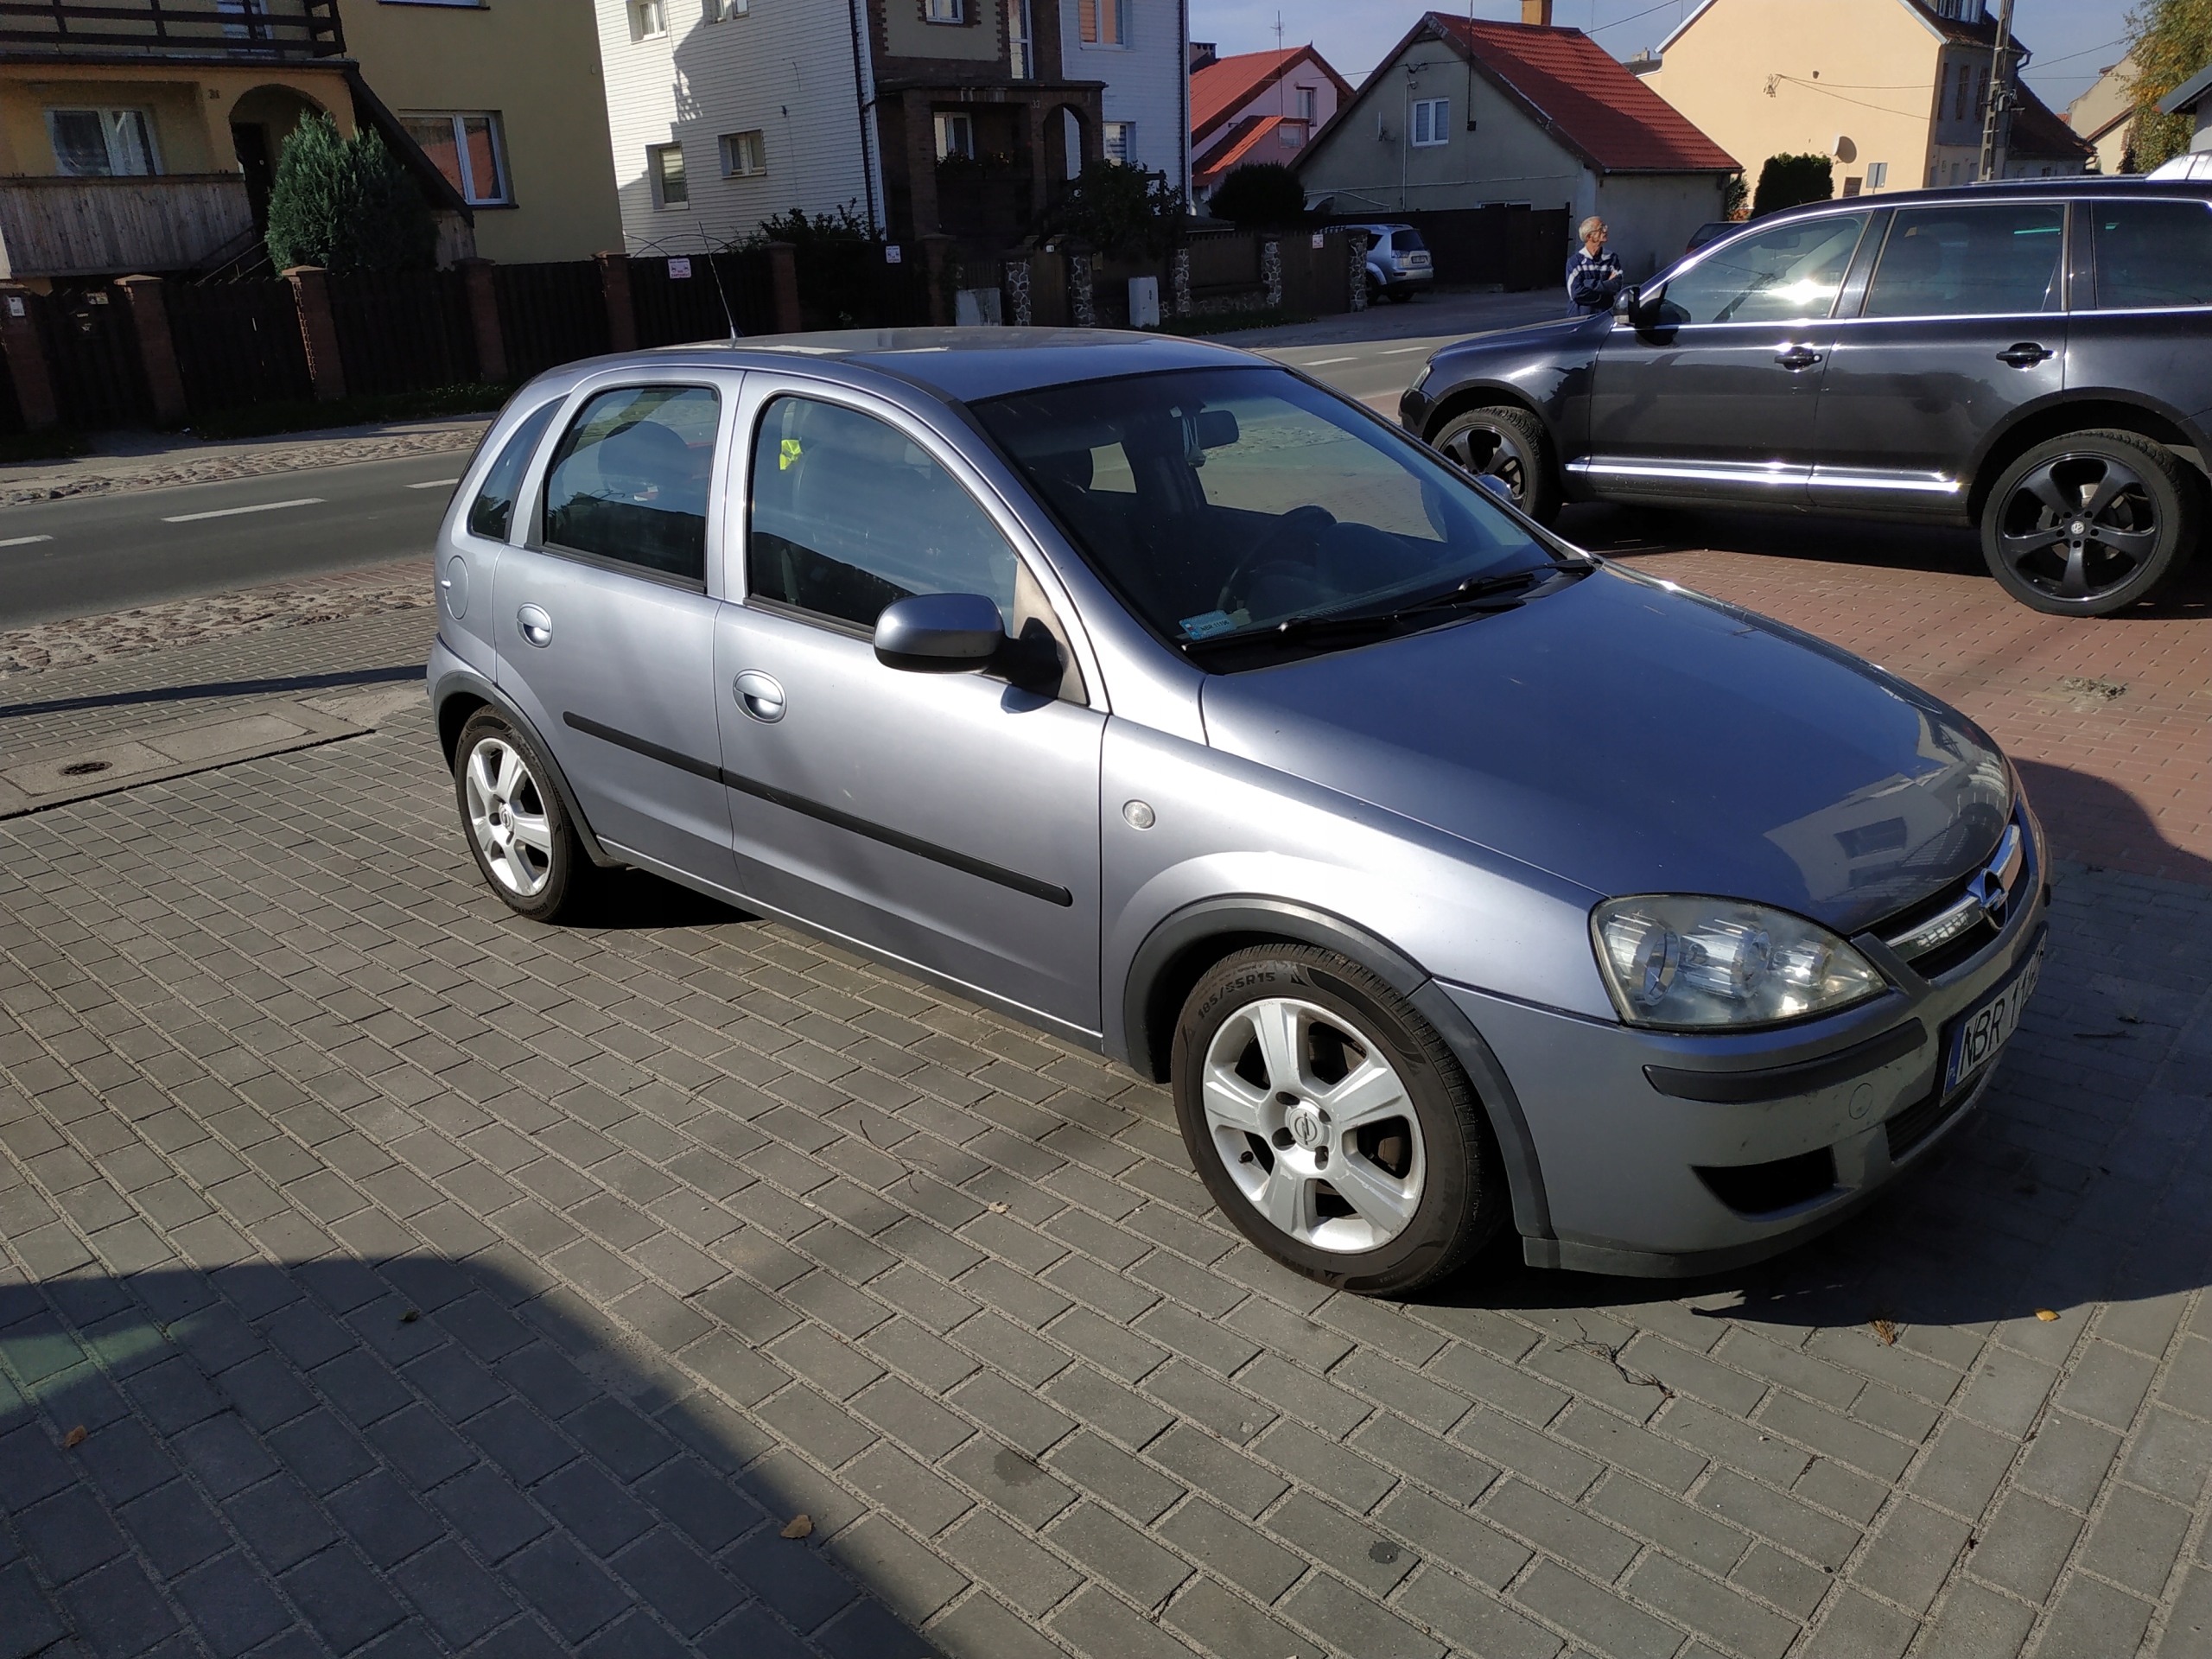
[86, 768]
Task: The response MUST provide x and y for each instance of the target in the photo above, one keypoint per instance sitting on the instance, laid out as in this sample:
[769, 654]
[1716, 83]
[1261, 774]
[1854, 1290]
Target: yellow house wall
[535, 62]
[191, 105]
[1766, 78]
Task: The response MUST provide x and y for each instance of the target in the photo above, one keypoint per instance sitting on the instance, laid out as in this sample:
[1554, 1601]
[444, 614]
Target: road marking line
[436, 484]
[1324, 362]
[232, 512]
[1398, 350]
[24, 540]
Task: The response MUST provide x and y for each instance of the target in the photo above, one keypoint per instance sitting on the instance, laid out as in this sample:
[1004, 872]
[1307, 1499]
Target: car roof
[2092, 184]
[964, 364]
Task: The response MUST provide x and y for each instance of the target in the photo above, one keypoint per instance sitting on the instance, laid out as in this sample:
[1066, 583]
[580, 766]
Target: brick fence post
[318, 331]
[1357, 244]
[783, 278]
[26, 352]
[1013, 282]
[1271, 271]
[1083, 308]
[936, 248]
[484, 319]
[615, 288]
[149, 314]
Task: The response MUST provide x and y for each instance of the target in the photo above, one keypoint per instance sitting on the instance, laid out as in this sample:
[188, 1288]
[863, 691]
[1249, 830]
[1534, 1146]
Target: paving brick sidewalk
[427, 1282]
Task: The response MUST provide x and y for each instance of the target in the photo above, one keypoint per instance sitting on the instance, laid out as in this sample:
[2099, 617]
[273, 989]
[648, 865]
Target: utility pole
[1997, 118]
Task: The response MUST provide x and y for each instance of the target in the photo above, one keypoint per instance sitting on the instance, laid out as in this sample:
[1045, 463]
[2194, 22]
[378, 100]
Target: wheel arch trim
[466, 686]
[2077, 409]
[1183, 945]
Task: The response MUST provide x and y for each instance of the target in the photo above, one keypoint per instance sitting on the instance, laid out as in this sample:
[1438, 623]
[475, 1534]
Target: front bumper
[1655, 1162]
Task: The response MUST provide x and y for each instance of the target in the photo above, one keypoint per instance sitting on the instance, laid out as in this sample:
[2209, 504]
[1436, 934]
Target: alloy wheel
[507, 813]
[1486, 449]
[1313, 1125]
[2079, 527]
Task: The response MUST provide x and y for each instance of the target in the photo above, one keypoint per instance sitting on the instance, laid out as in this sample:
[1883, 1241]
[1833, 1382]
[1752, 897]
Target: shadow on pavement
[2092, 819]
[414, 1454]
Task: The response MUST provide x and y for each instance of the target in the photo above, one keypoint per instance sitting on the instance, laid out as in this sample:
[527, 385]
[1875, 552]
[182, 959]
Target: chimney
[1536, 14]
[1202, 54]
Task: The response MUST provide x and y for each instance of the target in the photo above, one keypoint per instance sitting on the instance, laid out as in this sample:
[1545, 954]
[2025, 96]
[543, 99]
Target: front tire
[2089, 523]
[517, 825]
[1511, 445]
[1331, 1124]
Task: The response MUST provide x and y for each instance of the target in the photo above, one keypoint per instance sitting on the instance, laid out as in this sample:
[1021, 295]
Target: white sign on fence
[891, 253]
[1318, 239]
[679, 268]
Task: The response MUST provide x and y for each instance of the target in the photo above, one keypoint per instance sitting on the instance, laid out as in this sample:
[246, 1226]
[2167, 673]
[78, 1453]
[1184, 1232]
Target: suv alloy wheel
[1509, 444]
[2089, 523]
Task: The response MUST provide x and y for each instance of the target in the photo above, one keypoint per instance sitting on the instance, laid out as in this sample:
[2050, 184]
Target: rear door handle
[2026, 354]
[1798, 357]
[536, 626]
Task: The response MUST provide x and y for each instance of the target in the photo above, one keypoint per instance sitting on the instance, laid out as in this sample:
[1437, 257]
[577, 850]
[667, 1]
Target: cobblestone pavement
[188, 460]
[383, 1274]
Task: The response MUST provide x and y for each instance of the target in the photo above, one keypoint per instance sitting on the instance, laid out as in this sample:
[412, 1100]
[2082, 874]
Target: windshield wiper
[1503, 590]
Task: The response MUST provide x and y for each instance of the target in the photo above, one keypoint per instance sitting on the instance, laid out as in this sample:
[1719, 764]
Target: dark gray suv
[2034, 359]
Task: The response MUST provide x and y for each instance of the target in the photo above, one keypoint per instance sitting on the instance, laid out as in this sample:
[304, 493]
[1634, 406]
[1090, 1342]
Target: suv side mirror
[940, 634]
[1626, 302]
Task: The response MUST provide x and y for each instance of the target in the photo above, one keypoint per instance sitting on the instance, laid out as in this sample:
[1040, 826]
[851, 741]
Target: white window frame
[657, 175]
[947, 123]
[1123, 133]
[720, 12]
[1307, 102]
[733, 145]
[108, 115]
[1431, 116]
[468, 187]
[1020, 41]
[945, 11]
[1877, 175]
[648, 19]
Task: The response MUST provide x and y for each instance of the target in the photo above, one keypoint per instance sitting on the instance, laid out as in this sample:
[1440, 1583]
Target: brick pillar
[614, 288]
[318, 333]
[783, 278]
[1013, 282]
[1179, 283]
[1271, 271]
[936, 248]
[484, 319]
[1358, 245]
[149, 314]
[26, 354]
[1083, 311]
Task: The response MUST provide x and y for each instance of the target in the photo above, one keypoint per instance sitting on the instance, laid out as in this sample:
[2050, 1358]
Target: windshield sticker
[1205, 626]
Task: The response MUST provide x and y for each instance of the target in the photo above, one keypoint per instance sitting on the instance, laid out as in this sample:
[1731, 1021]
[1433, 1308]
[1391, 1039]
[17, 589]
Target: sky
[2072, 39]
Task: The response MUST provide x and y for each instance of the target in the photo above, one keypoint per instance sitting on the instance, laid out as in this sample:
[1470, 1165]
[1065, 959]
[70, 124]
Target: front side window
[1222, 504]
[1432, 121]
[1102, 23]
[629, 482]
[467, 150]
[1970, 261]
[745, 155]
[665, 164]
[2150, 254]
[1788, 274]
[849, 515]
[492, 514]
[102, 143]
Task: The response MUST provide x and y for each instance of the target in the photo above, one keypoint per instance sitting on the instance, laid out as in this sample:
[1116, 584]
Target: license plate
[1979, 1034]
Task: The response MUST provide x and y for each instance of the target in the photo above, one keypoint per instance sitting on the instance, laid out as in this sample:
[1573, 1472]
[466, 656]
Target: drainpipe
[863, 73]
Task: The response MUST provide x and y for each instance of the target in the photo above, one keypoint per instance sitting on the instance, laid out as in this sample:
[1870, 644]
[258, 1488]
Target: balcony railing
[195, 29]
[81, 227]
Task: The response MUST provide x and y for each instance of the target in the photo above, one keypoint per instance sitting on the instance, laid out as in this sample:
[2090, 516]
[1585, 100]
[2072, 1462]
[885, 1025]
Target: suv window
[629, 481]
[1788, 274]
[2152, 253]
[849, 514]
[1959, 261]
[492, 514]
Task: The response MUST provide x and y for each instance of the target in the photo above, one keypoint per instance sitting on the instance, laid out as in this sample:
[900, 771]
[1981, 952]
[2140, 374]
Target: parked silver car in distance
[1398, 262]
[1153, 695]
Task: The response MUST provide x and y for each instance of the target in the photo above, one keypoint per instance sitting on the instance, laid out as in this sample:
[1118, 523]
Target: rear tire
[1510, 444]
[1331, 1124]
[2090, 522]
[517, 825]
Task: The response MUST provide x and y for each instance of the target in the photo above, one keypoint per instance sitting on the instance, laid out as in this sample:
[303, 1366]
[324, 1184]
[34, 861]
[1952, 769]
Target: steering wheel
[1309, 520]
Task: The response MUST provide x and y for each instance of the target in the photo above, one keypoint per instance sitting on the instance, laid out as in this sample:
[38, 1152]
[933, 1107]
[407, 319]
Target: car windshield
[1222, 504]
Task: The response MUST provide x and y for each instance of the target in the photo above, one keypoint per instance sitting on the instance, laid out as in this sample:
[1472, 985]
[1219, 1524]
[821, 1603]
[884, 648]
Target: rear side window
[1969, 262]
[492, 513]
[849, 515]
[2152, 254]
[629, 481]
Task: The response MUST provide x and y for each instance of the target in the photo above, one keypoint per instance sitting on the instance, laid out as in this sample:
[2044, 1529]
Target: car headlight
[1682, 963]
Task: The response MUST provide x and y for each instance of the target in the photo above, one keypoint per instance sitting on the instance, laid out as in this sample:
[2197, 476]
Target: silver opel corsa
[1155, 694]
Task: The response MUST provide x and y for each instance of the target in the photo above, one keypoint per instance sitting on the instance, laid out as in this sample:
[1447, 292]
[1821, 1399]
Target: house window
[102, 143]
[943, 11]
[1877, 175]
[955, 135]
[664, 164]
[1291, 134]
[1102, 23]
[1020, 42]
[1117, 140]
[720, 10]
[1432, 121]
[1306, 105]
[648, 19]
[744, 154]
[468, 150]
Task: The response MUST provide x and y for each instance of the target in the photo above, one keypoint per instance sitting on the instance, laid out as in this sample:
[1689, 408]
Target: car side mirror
[1626, 302]
[940, 634]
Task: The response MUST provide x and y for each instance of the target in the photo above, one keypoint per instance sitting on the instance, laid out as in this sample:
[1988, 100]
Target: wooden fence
[407, 331]
[549, 315]
[239, 343]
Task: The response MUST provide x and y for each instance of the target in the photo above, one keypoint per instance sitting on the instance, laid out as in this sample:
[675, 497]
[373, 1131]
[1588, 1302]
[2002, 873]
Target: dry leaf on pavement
[800, 1526]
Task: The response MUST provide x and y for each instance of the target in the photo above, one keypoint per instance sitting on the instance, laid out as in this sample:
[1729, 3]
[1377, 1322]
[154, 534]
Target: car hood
[1633, 737]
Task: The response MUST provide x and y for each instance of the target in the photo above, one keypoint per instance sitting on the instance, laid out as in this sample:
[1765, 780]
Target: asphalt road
[86, 555]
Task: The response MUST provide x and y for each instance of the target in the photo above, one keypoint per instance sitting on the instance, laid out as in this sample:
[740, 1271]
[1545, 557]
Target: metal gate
[239, 343]
[91, 352]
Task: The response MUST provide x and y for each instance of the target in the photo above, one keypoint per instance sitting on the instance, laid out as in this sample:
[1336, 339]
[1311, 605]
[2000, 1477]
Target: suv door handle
[1798, 357]
[536, 626]
[760, 694]
[2025, 355]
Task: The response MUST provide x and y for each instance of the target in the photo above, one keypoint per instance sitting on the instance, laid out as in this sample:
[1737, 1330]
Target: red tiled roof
[1226, 85]
[1238, 144]
[1574, 87]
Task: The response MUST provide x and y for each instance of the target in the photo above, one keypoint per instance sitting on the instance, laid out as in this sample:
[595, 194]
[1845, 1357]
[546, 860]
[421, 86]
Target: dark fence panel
[239, 343]
[1316, 272]
[852, 285]
[12, 412]
[550, 314]
[1517, 247]
[1224, 260]
[408, 331]
[92, 356]
[671, 310]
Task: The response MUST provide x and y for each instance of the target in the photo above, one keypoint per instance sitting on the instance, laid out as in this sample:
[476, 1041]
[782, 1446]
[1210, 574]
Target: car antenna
[714, 272]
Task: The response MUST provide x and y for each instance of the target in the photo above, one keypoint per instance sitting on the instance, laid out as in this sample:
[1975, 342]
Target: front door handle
[760, 694]
[1798, 357]
[2026, 354]
[536, 626]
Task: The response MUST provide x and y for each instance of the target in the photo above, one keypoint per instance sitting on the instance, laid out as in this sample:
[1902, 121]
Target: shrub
[1262, 196]
[347, 205]
[1122, 211]
[1792, 181]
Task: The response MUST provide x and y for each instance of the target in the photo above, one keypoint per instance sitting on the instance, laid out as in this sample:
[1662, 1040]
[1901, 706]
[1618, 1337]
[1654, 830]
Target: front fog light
[1687, 962]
